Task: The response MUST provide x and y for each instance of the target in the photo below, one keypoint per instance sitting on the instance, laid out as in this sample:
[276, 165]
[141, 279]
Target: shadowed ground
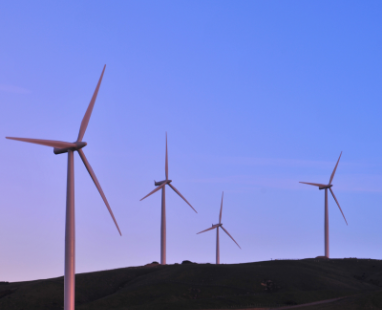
[203, 286]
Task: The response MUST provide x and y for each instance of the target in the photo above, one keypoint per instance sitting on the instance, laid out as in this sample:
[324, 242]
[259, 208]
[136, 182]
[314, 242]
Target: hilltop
[209, 286]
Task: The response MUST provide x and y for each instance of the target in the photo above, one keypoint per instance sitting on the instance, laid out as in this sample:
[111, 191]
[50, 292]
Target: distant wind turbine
[326, 187]
[70, 147]
[162, 185]
[217, 232]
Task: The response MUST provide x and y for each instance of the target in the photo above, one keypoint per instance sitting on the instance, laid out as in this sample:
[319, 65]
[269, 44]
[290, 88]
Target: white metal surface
[162, 185]
[217, 226]
[327, 187]
[69, 147]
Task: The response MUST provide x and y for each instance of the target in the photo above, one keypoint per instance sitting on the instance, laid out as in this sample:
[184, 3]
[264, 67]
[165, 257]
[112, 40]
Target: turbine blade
[155, 190]
[95, 180]
[52, 143]
[85, 120]
[334, 196]
[221, 210]
[176, 191]
[334, 170]
[213, 227]
[166, 164]
[314, 184]
[230, 236]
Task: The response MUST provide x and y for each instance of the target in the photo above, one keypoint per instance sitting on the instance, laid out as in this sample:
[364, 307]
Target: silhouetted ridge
[338, 283]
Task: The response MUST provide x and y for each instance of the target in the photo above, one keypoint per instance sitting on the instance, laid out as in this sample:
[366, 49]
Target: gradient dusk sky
[255, 96]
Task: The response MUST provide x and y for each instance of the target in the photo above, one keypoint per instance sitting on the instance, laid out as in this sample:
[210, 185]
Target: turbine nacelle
[161, 182]
[325, 187]
[78, 145]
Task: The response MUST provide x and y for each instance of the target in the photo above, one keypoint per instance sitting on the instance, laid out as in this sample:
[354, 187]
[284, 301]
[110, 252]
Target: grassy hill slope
[205, 286]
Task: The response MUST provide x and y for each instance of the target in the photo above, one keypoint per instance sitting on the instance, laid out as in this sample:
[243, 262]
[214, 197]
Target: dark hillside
[205, 286]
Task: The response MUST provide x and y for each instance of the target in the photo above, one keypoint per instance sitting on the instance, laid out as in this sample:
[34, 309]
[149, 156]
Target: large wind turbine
[327, 187]
[162, 185]
[217, 232]
[70, 147]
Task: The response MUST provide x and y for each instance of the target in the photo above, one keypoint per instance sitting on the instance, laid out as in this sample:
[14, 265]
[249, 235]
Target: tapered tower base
[69, 277]
[217, 247]
[326, 224]
[163, 228]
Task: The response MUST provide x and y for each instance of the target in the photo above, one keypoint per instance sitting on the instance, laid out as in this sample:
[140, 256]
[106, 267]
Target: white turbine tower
[70, 147]
[162, 185]
[217, 226]
[327, 187]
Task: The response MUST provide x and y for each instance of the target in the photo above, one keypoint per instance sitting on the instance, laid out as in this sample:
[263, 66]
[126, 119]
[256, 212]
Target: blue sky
[255, 96]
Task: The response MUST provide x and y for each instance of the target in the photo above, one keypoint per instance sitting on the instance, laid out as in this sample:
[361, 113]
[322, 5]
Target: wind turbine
[162, 185]
[217, 226]
[70, 147]
[327, 187]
